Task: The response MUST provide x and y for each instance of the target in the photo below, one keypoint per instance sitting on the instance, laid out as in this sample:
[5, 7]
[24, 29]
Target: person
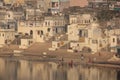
[71, 63]
[82, 57]
[89, 60]
[62, 61]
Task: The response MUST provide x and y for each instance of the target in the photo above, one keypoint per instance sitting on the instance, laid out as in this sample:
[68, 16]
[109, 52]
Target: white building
[1, 3]
[56, 23]
[7, 19]
[33, 14]
[114, 39]
[6, 36]
[83, 36]
[86, 34]
[55, 6]
[43, 30]
[18, 15]
[81, 19]
[26, 42]
[6, 15]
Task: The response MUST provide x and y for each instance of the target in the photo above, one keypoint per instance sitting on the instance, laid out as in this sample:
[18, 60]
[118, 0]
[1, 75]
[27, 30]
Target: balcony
[5, 30]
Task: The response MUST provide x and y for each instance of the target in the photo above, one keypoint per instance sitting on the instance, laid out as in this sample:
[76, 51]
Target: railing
[7, 29]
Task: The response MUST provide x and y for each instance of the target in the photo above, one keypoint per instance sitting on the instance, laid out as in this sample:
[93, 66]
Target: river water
[13, 69]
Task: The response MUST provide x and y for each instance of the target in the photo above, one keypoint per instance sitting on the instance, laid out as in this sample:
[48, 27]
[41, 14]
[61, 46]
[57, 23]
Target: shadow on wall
[118, 75]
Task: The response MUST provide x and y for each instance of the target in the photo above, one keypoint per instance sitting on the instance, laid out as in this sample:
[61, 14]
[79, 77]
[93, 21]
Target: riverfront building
[43, 30]
[84, 32]
[6, 36]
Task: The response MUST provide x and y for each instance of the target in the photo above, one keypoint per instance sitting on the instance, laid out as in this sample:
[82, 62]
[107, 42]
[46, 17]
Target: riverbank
[95, 60]
[40, 52]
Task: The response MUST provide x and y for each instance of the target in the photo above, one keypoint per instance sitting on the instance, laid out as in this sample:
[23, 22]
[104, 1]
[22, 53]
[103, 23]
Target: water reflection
[12, 69]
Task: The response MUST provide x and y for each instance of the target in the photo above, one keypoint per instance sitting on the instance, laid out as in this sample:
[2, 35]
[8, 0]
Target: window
[46, 23]
[41, 32]
[30, 24]
[3, 35]
[89, 21]
[113, 39]
[85, 21]
[9, 15]
[8, 26]
[31, 32]
[38, 32]
[118, 41]
[86, 33]
[55, 23]
[48, 29]
[80, 33]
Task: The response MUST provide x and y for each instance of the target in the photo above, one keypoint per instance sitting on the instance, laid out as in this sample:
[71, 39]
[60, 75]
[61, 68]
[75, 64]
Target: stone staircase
[66, 46]
[50, 39]
[38, 47]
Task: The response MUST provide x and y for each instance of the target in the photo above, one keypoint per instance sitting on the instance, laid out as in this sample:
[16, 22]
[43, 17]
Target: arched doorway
[118, 75]
[31, 32]
[48, 29]
[41, 32]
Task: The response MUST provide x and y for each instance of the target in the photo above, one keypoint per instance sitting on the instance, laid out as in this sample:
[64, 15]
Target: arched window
[38, 32]
[8, 26]
[113, 39]
[45, 23]
[80, 33]
[8, 15]
[48, 23]
[55, 23]
[48, 29]
[3, 35]
[41, 32]
[31, 32]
